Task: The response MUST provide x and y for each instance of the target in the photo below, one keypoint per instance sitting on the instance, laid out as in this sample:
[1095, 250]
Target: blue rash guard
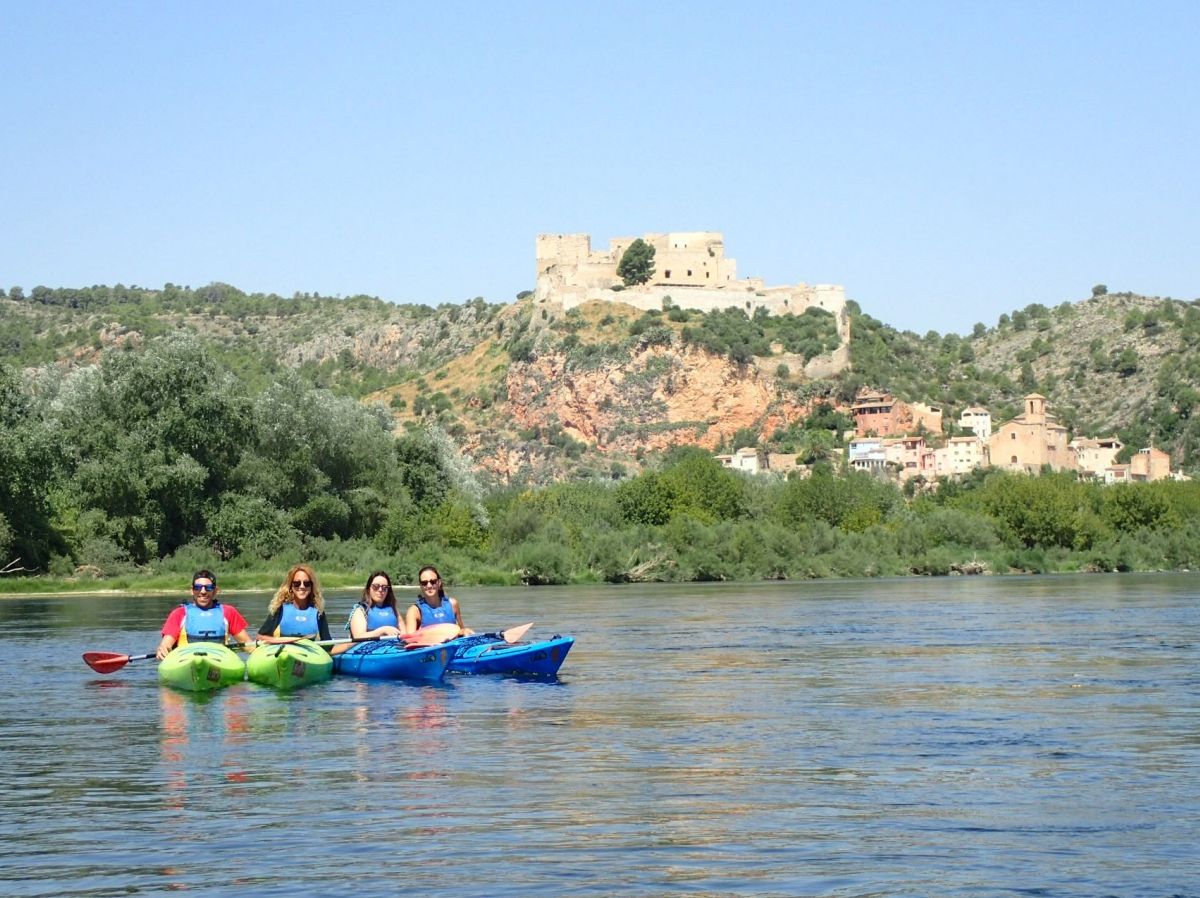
[442, 614]
[204, 624]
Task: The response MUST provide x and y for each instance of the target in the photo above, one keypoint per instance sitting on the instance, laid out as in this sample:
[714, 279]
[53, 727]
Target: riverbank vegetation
[154, 463]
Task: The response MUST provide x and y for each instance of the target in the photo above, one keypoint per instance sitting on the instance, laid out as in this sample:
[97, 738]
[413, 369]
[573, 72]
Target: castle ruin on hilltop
[690, 271]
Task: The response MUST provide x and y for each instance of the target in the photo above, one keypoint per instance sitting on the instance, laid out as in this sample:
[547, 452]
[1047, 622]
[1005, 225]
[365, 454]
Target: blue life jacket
[295, 622]
[443, 614]
[377, 616]
[203, 624]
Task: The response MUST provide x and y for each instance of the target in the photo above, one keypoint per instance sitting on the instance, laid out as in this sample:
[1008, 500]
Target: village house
[877, 413]
[1031, 440]
[866, 454]
[1094, 456]
[1146, 465]
[746, 459]
[911, 456]
[960, 455]
[977, 420]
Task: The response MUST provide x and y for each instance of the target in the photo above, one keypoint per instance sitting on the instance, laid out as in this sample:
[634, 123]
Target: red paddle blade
[105, 662]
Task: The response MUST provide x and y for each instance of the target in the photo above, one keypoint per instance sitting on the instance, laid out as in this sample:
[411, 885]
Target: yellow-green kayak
[289, 665]
[201, 667]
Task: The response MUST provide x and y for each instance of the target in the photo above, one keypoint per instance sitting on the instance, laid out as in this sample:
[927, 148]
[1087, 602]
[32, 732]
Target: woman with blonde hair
[297, 610]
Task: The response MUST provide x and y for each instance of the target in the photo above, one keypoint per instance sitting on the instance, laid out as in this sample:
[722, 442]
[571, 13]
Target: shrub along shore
[696, 521]
[135, 473]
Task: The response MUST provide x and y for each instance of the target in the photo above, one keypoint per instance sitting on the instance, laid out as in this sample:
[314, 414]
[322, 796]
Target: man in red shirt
[204, 619]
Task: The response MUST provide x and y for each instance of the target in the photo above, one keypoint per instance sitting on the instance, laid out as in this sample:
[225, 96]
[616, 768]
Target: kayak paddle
[513, 634]
[435, 634]
[110, 662]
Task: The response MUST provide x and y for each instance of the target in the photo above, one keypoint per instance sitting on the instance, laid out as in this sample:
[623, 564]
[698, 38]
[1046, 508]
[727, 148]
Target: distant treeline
[171, 297]
[162, 455]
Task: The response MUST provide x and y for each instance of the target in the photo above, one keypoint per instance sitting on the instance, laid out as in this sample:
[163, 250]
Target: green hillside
[149, 432]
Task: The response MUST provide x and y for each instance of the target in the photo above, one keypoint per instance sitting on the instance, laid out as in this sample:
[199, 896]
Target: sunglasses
[301, 584]
[433, 582]
[379, 587]
[203, 587]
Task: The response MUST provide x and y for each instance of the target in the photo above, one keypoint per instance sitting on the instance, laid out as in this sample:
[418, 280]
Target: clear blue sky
[946, 162]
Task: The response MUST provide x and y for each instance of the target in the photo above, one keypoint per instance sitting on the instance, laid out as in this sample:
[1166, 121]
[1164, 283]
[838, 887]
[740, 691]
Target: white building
[745, 459]
[1094, 457]
[960, 455]
[978, 420]
[867, 454]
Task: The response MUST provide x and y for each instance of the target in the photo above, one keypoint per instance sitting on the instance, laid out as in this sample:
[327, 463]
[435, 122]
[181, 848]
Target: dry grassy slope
[1103, 399]
[592, 395]
[588, 396]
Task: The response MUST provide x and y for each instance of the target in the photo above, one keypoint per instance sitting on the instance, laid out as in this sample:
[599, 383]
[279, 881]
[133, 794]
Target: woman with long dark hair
[433, 606]
[376, 616]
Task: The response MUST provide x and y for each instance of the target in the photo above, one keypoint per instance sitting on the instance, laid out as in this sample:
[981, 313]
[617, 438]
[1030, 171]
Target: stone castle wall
[690, 269]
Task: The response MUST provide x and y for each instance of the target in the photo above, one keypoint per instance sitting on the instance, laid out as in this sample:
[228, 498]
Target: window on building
[667, 273]
[1014, 460]
[1013, 434]
[689, 272]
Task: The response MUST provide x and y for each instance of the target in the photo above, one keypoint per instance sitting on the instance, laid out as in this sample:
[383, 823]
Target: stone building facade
[690, 271]
[877, 413]
[1145, 465]
[961, 455]
[1031, 440]
[1094, 456]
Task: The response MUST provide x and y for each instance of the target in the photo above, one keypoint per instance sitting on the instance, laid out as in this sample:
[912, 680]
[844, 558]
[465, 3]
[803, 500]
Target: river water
[966, 737]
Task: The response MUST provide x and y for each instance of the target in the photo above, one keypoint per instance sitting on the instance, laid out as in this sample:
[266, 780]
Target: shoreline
[81, 590]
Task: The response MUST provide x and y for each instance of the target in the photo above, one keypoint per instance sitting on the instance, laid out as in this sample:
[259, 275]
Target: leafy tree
[1053, 510]
[1126, 362]
[646, 499]
[1100, 290]
[851, 502]
[250, 525]
[1132, 506]
[637, 263]
[153, 438]
[702, 487]
[29, 461]
[744, 437]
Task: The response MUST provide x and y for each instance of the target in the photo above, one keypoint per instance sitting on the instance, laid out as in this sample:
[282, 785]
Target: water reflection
[927, 737]
[202, 735]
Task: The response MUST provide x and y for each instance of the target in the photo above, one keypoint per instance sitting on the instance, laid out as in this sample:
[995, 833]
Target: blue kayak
[384, 659]
[490, 654]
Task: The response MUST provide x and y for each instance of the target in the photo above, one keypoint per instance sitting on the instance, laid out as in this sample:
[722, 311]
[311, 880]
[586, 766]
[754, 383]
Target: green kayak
[289, 665]
[201, 667]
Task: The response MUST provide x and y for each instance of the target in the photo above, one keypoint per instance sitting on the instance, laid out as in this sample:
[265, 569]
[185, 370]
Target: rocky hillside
[1112, 364]
[599, 390]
